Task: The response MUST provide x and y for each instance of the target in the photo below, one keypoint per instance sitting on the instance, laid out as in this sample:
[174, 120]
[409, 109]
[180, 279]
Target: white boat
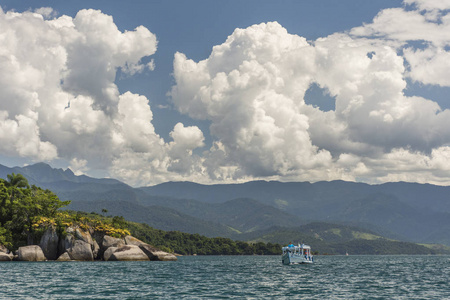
[300, 254]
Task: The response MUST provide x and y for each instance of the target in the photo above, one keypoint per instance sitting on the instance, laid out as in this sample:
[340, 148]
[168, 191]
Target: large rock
[6, 257]
[75, 243]
[81, 250]
[4, 249]
[127, 253]
[84, 236]
[156, 254]
[131, 240]
[31, 253]
[109, 241]
[67, 241]
[152, 252]
[49, 243]
[108, 253]
[64, 257]
[95, 249]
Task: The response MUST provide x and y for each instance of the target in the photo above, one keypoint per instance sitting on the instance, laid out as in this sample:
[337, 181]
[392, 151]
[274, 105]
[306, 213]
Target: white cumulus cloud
[429, 25]
[252, 89]
[59, 98]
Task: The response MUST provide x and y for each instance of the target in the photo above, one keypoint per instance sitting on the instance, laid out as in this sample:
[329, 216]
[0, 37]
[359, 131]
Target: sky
[228, 91]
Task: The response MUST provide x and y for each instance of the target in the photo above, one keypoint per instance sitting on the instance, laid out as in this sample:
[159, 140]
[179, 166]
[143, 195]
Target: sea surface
[231, 277]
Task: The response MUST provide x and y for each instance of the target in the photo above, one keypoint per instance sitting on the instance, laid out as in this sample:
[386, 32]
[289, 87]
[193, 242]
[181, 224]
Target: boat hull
[293, 259]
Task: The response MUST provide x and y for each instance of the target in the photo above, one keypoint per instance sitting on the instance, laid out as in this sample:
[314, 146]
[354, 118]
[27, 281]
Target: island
[34, 228]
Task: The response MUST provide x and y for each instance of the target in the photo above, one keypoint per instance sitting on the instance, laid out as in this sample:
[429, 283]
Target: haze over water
[235, 277]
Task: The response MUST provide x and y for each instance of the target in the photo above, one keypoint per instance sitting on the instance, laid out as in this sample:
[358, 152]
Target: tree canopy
[17, 180]
[21, 206]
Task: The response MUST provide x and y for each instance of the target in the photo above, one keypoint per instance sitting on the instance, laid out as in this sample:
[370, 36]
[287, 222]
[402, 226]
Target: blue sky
[352, 127]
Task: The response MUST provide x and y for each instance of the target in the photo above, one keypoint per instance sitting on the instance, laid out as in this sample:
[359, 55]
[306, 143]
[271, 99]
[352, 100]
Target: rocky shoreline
[76, 244]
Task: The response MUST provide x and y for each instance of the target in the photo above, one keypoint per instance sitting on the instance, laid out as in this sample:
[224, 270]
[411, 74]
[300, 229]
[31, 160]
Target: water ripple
[232, 277]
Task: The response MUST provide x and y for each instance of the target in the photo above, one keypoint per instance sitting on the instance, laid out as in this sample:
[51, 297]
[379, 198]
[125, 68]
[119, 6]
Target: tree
[17, 180]
[22, 205]
[5, 237]
[45, 202]
[119, 222]
[5, 203]
[37, 203]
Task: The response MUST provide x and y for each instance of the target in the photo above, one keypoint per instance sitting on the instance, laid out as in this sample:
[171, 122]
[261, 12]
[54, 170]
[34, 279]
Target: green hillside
[327, 238]
[156, 216]
[190, 244]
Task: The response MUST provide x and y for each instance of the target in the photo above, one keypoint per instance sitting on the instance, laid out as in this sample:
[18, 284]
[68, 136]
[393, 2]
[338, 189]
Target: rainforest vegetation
[21, 206]
[27, 211]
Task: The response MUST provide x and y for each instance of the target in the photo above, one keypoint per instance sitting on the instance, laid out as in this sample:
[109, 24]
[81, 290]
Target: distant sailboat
[346, 253]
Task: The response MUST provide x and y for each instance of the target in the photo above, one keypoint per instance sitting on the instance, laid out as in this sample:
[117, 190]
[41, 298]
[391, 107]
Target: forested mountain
[421, 196]
[407, 211]
[416, 212]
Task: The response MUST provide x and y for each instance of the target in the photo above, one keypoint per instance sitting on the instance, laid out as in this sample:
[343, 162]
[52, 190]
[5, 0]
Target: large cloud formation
[59, 99]
[252, 89]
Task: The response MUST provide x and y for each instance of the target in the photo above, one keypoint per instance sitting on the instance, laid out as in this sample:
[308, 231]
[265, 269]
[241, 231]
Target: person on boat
[291, 245]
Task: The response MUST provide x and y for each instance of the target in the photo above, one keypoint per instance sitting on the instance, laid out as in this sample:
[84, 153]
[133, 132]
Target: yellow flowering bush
[65, 219]
[44, 222]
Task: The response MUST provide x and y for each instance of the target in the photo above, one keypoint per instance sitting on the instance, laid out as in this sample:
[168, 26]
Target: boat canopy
[302, 246]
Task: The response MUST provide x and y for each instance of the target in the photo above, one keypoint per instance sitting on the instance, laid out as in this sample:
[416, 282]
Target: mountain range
[411, 212]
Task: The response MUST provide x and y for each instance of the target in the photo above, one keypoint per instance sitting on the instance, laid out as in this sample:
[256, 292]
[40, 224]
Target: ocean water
[231, 277]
